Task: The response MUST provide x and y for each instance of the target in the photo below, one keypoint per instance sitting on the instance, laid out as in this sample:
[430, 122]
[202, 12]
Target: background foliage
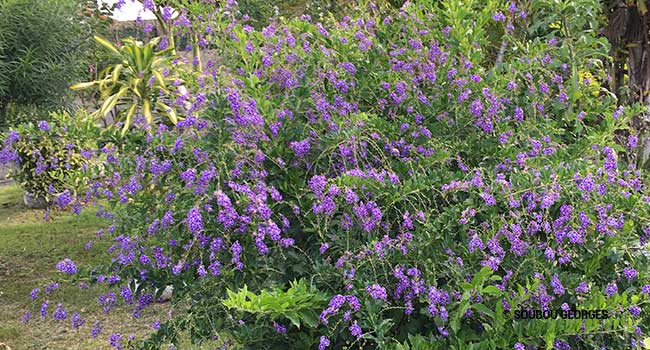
[42, 52]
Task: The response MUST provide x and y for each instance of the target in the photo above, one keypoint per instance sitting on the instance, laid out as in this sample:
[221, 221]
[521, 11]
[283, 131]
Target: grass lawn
[29, 251]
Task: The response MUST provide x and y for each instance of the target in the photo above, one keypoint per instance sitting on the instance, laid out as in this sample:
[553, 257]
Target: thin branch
[504, 43]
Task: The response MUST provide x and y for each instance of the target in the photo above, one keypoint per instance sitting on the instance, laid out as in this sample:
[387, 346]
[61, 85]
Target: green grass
[29, 250]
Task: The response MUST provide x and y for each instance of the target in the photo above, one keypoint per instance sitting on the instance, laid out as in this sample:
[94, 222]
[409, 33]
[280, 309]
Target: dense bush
[51, 155]
[385, 183]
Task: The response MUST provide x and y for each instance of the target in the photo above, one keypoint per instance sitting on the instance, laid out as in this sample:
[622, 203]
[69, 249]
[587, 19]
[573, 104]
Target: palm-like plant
[139, 82]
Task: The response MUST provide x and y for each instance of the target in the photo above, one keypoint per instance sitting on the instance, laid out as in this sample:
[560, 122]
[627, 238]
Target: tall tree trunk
[627, 31]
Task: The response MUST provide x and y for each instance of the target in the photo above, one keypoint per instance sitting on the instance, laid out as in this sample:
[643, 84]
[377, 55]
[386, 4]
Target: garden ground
[29, 251]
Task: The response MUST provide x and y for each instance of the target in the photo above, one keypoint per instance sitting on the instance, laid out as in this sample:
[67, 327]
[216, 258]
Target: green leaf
[81, 86]
[105, 43]
[484, 309]
[310, 318]
[480, 276]
[491, 290]
[294, 318]
[127, 121]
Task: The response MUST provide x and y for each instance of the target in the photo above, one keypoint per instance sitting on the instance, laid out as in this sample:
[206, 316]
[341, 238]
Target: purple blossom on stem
[324, 343]
[582, 288]
[149, 5]
[43, 125]
[558, 289]
[194, 221]
[632, 141]
[301, 148]
[499, 17]
[279, 328]
[64, 199]
[629, 273]
[355, 329]
[611, 289]
[376, 291]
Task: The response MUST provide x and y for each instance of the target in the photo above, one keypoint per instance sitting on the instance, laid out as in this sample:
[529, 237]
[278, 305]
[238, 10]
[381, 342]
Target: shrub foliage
[386, 181]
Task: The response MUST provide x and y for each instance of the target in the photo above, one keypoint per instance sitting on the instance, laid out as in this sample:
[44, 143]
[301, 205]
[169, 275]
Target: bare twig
[504, 43]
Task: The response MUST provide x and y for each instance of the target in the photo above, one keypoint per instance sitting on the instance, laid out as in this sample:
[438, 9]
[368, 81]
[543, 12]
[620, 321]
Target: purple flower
[475, 243]
[632, 141]
[630, 273]
[355, 329]
[43, 125]
[44, 308]
[317, 184]
[149, 5]
[201, 271]
[34, 293]
[167, 13]
[488, 198]
[549, 253]
[324, 343]
[67, 266]
[301, 148]
[115, 340]
[64, 199]
[582, 288]
[127, 295]
[499, 17]
[96, 330]
[236, 250]
[558, 289]
[349, 67]
[443, 331]
[167, 219]
[194, 221]
[611, 289]
[77, 321]
[520, 346]
[188, 176]
[618, 112]
[377, 292]
[323, 248]
[645, 289]
[519, 114]
[60, 313]
[279, 328]
[561, 345]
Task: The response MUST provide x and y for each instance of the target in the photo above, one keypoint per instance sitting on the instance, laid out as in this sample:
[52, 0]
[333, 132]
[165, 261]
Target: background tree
[627, 32]
[45, 46]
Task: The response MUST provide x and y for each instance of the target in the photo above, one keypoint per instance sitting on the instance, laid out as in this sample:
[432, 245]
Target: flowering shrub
[50, 154]
[421, 193]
